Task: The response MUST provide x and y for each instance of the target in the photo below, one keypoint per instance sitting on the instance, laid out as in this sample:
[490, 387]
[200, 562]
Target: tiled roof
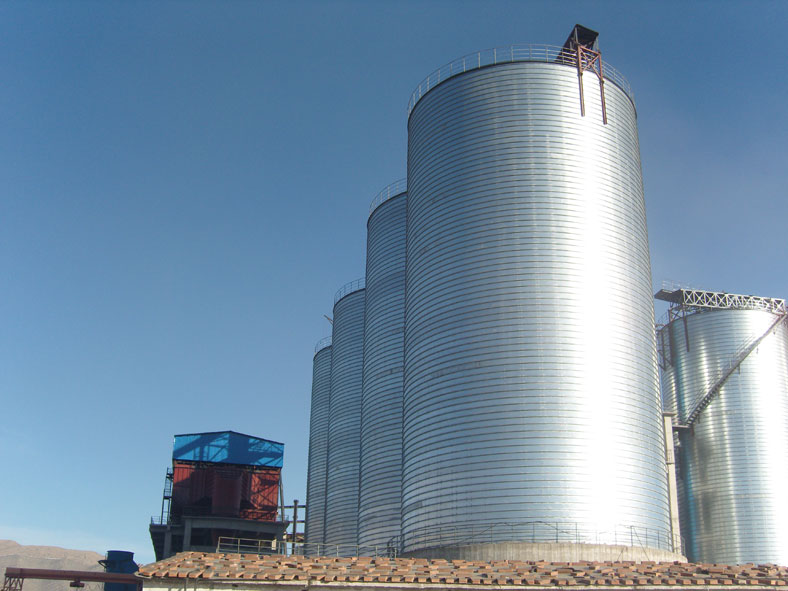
[421, 571]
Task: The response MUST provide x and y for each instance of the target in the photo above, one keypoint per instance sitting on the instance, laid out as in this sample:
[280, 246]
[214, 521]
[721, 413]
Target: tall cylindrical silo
[380, 483]
[732, 450]
[531, 398]
[344, 419]
[318, 446]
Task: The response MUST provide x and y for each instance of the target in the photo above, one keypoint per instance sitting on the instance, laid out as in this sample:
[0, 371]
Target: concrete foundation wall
[560, 552]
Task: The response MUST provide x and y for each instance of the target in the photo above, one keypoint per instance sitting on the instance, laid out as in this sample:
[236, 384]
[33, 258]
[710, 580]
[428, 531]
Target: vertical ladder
[166, 499]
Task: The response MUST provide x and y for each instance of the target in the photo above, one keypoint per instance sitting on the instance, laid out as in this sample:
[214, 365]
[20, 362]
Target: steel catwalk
[344, 417]
[531, 388]
[732, 478]
[318, 444]
[380, 483]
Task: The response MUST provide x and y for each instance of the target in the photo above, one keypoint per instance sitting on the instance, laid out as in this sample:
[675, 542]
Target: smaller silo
[724, 360]
[318, 447]
[344, 420]
[380, 483]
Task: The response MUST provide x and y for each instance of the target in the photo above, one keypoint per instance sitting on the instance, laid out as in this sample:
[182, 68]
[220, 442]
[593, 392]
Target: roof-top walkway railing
[510, 54]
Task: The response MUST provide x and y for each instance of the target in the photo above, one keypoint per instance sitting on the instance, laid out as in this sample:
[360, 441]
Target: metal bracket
[581, 48]
[588, 59]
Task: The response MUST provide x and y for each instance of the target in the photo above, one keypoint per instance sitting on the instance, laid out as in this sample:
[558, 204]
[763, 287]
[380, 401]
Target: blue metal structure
[119, 561]
[228, 447]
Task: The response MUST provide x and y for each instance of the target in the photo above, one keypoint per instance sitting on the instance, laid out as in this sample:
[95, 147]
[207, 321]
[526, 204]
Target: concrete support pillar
[187, 534]
[670, 458]
[168, 542]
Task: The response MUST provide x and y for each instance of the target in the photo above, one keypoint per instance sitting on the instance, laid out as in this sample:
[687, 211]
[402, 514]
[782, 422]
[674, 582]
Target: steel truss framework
[687, 301]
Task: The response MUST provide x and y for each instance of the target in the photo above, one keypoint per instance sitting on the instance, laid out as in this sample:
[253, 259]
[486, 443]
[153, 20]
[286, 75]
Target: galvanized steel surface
[344, 418]
[732, 476]
[531, 386]
[390, 191]
[318, 445]
[323, 343]
[381, 422]
[349, 288]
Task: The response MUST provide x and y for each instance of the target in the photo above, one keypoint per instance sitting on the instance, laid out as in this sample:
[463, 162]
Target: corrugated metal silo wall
[318, 447]
[380, 483]
[732, 472]
[344, 422]
[531, 385]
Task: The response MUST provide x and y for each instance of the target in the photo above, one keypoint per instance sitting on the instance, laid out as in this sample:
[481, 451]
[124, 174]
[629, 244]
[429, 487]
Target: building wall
[225, 490]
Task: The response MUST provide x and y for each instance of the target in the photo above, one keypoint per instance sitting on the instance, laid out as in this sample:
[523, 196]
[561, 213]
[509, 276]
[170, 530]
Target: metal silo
[531, 398]
[380, 484]
[318, 446]
[344, 418]
[725, 375]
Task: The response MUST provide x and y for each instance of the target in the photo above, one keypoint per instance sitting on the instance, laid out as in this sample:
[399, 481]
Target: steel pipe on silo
[344, 419]
[380, 480]
[731, 470]
[318, 446]
[531, 396]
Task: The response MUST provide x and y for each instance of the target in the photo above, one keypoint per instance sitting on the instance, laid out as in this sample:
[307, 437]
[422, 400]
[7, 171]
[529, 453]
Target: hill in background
[13, 554]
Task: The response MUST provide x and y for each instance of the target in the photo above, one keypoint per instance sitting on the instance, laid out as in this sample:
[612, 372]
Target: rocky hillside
[13, 554]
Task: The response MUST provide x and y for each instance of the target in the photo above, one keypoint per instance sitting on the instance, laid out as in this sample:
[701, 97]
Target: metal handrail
[322, 344]
[349, 288]
[545, 532]
[522, 532]
[392, 190]
[510, 54]
[228, 545]
[320, 549]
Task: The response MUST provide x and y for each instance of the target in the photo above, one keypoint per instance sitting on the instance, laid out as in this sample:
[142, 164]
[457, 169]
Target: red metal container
[249, 492]
[226, 497]
[262, 488]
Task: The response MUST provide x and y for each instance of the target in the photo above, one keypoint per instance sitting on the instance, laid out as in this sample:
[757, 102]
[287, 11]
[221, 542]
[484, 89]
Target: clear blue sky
[184, 185]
